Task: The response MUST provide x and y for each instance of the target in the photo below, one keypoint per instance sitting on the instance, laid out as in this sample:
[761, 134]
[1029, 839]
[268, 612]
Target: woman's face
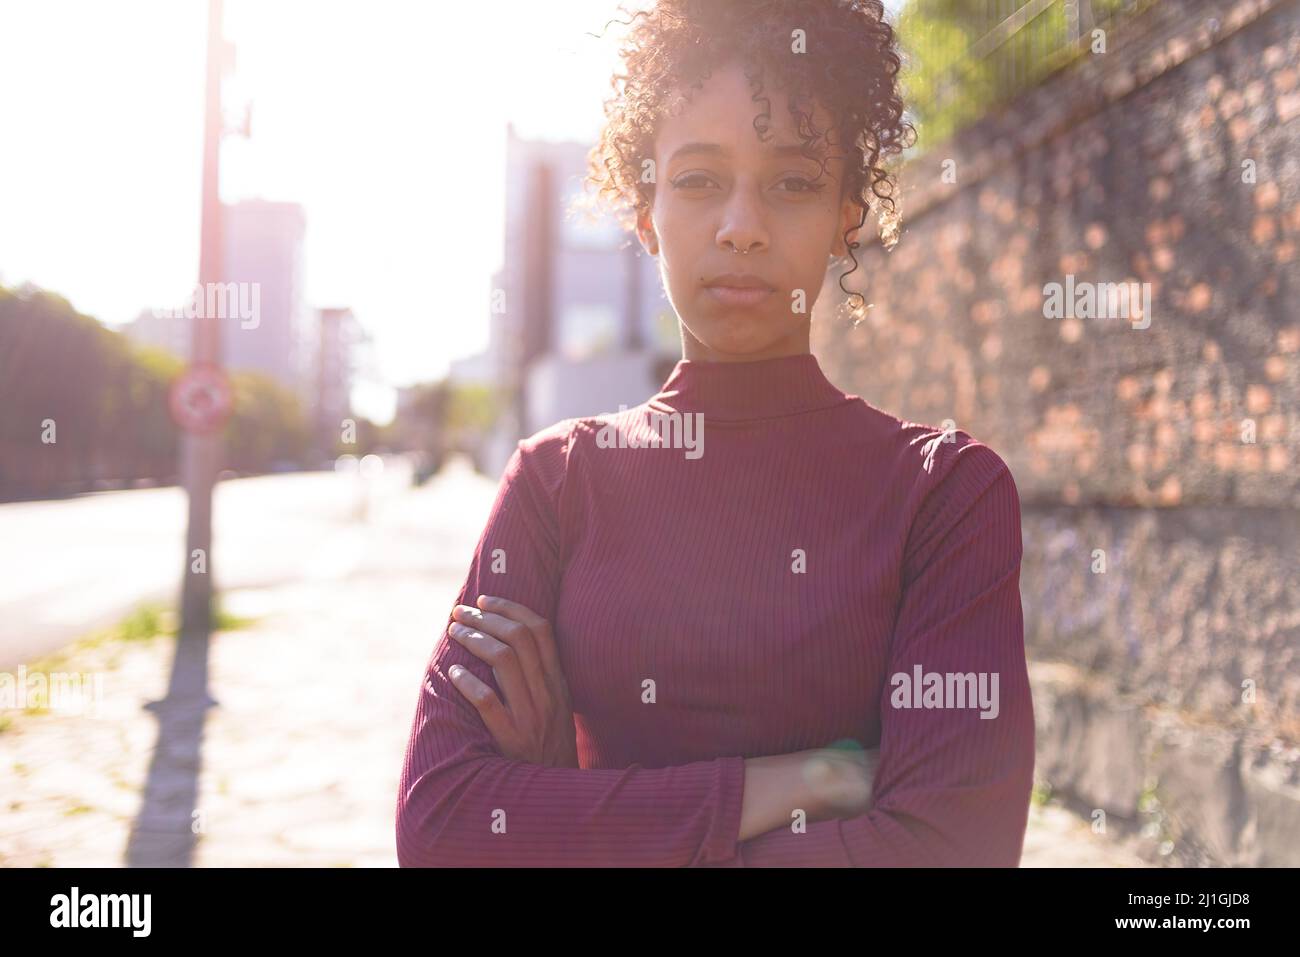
[721, 192]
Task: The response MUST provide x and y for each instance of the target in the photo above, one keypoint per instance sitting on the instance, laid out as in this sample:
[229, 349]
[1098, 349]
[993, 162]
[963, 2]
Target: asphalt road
[71, 566]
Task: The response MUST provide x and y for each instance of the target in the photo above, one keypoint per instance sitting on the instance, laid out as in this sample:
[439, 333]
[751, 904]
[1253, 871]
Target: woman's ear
[850, 213]
[645, 232]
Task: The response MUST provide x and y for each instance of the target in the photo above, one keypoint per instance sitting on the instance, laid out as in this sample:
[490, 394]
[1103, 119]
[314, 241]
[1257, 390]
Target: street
[70, 566]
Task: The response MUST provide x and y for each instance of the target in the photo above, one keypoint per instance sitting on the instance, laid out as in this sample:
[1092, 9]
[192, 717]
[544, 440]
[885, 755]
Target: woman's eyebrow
[717, 149]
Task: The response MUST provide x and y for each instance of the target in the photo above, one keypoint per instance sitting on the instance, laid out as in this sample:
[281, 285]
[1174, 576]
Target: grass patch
[145, 623]
[223, 620]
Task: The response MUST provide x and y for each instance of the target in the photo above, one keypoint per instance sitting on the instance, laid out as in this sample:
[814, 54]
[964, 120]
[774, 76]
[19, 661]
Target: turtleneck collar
[759, 389]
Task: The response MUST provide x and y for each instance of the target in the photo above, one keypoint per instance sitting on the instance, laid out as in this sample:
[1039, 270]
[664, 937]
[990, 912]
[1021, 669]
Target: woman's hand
[825, 783]
[535, 722]
[840, 779]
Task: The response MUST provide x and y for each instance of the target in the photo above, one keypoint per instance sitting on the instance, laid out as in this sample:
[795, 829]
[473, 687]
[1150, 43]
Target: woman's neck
[796, 344]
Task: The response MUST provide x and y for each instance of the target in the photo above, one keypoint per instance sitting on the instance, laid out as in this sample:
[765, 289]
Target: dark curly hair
[850, 68]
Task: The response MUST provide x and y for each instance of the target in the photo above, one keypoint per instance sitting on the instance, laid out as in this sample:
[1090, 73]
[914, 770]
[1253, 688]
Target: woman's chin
[739, 334]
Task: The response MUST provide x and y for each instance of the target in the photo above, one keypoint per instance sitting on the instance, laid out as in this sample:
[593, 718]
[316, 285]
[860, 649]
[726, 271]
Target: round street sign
[200, 399]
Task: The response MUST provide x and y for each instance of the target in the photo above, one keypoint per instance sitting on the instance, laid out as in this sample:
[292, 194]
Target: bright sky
[385, 119]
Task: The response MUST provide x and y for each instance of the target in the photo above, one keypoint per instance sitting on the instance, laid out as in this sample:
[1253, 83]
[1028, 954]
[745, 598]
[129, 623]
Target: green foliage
[470, 408]
[419, 426]
[107, 398]
[267, 425]
[957, 68]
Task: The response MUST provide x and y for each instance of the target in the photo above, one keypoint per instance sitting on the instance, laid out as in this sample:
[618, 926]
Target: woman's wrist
[772, 784]
[839, 780]
[824, 783]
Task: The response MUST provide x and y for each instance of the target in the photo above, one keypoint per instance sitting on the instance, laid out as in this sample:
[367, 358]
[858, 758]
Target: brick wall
[1155, 452]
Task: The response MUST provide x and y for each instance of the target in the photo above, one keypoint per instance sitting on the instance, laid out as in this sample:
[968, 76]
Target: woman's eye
[808, 185]
[701, 180]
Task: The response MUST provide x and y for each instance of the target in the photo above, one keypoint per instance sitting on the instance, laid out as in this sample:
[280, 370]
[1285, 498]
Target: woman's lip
[738, 296]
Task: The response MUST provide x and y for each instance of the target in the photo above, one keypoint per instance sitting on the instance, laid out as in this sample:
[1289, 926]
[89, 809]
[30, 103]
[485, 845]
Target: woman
[674, 652]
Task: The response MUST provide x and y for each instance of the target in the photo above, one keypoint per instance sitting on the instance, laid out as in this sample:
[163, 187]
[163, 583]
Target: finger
[513, 633]
[539, 626]
[484, 700]
[505, 664]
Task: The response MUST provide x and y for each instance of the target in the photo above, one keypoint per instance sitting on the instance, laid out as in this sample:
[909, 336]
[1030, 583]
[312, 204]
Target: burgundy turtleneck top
[752, 562]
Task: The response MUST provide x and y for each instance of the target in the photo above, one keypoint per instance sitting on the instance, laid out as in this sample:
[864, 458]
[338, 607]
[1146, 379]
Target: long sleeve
[462, 803]
[952, 788]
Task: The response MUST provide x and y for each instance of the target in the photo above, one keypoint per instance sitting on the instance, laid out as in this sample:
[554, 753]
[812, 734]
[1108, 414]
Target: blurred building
[281, 336]
[579, 322]
[340, 337]
[313, 353]
[264, 245]
[478, 369]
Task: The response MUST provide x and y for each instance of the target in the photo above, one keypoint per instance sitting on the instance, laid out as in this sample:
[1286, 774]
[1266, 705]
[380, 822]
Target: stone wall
[1154, 451]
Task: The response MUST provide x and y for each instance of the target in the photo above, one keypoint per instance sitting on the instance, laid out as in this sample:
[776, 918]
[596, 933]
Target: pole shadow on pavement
[164, 832]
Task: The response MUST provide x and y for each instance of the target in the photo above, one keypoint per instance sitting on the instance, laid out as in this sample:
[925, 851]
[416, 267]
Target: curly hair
[851, 69]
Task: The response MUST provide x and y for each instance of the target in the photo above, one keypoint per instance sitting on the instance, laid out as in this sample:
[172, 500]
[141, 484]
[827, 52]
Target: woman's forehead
[720, 114]
[723, 107]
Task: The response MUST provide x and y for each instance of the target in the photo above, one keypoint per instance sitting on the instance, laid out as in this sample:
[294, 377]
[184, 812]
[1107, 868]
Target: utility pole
[200, 450]
[164, 833]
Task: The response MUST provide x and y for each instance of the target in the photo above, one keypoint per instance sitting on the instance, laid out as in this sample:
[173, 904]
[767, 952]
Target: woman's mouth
[738, 295]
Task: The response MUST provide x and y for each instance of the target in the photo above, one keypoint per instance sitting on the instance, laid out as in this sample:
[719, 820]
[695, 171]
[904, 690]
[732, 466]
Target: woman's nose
[742, 230]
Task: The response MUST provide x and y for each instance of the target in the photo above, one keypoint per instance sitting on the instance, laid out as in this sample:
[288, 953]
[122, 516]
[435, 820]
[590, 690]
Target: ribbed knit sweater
[751, 562]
